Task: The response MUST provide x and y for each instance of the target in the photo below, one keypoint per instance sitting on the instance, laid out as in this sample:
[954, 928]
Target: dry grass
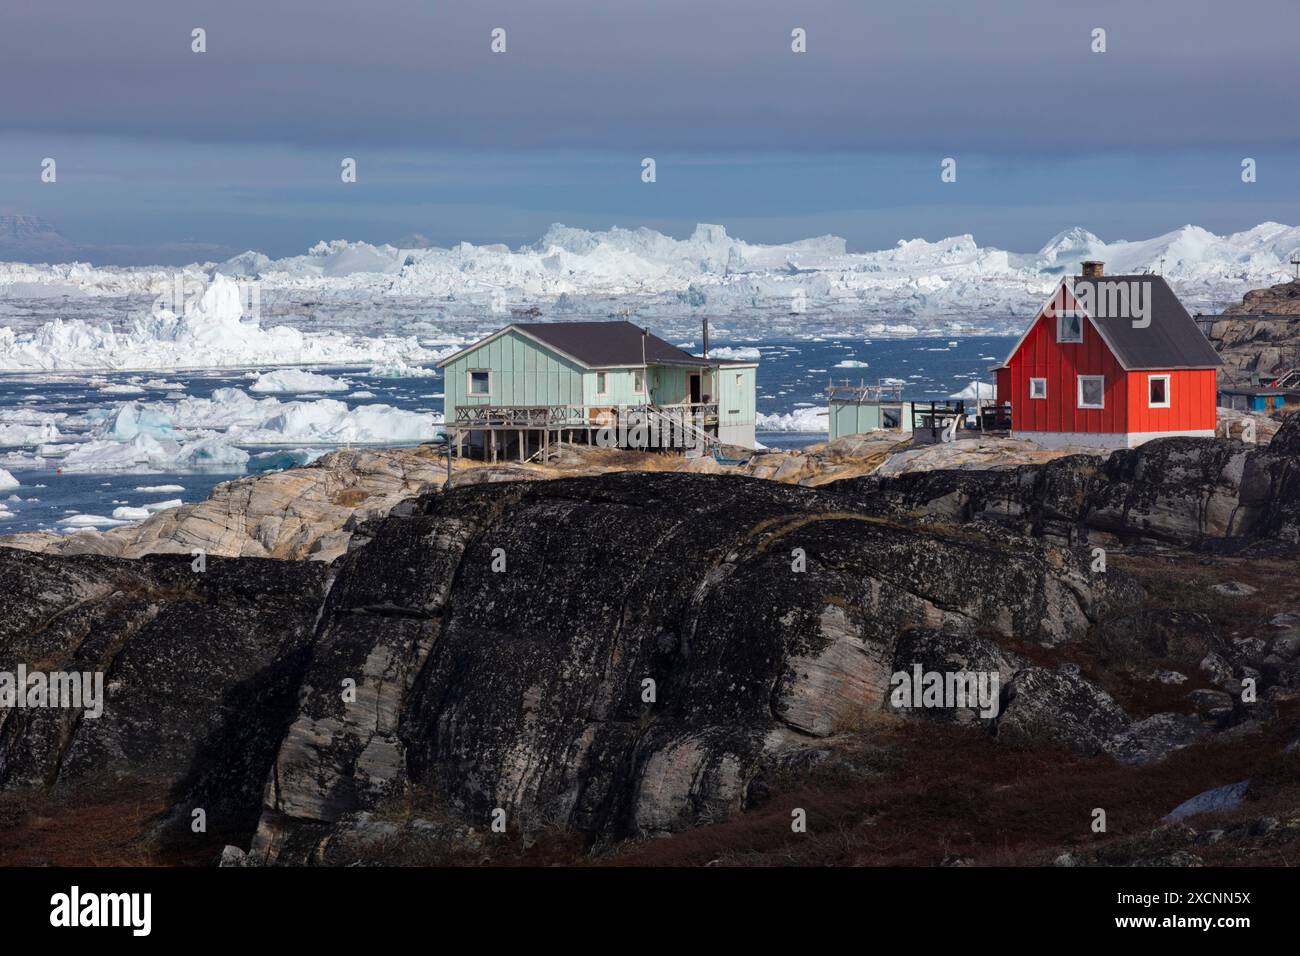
[110, 825]
[947, 794]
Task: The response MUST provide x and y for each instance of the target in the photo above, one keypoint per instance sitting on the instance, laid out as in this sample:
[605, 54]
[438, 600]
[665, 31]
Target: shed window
[1038, 388]
[480, 381]
[1092, 391]
[1158, 391]
[1069, 326]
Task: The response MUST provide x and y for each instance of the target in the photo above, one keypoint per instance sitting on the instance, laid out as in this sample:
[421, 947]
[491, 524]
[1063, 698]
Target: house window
[638, 381]
[1157, 391]
[1092, 391]
[1038, 388]
[600, 383]
[739, 378]
[1069, 326]
[480, 381]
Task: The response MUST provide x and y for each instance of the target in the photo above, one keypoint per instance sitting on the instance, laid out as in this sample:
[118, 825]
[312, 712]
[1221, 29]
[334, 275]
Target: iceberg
[735, 354]
[393, 309]
[297, 380]
[812, 419]
[90, 521]
[401, 370]
[975, 390]
[145, 453]
[211, 333]
[15, 434]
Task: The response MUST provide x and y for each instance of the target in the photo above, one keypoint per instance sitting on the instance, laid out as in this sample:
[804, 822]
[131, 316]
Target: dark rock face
[646, 650]
[199, 671]
[1180, 491]
[622, 655]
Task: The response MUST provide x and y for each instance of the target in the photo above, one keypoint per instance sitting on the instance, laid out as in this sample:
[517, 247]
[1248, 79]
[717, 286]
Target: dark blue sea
[792, 378]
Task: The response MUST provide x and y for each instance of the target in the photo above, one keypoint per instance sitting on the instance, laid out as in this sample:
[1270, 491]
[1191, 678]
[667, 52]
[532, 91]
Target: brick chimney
[1093, 269]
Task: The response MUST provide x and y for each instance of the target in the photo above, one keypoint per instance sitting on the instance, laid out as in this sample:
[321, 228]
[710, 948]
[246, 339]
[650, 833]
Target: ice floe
[400, 369]
[297, 380]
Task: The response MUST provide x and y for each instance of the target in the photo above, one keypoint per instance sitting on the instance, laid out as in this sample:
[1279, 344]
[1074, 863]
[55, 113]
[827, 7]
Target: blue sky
[164, 154]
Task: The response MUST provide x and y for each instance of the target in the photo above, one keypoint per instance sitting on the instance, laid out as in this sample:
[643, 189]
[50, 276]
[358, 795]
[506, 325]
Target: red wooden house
[1112, 362]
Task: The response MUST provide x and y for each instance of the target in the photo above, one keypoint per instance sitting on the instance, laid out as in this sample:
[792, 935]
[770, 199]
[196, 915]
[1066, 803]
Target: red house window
[1069, 326]
[1092, 391]
[1158, 391]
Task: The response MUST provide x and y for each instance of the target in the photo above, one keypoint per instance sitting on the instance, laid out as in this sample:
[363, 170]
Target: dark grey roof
[608, 343]
[1172, 340]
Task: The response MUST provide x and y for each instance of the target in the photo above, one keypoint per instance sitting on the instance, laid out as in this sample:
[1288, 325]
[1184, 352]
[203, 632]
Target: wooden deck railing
[472, 417]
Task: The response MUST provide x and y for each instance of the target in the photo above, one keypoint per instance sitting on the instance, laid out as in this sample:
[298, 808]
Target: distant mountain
[31, 238]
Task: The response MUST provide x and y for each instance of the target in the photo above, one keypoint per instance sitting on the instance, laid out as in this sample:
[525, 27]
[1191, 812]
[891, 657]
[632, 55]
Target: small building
[1257, 398]
[529, 387]
[854, 409]
[1110, 362]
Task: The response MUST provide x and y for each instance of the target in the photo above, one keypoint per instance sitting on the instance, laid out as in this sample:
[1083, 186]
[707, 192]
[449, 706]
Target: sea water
[791, 381]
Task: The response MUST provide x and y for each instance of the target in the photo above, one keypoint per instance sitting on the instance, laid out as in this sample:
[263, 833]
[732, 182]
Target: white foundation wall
[1104, 439]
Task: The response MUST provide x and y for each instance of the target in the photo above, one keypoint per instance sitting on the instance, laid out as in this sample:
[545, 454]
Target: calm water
[792, 377]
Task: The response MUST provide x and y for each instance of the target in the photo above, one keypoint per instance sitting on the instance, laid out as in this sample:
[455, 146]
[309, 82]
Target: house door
[695, 388]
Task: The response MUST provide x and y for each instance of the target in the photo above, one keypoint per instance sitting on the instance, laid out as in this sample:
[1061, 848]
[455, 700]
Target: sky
[167, 155]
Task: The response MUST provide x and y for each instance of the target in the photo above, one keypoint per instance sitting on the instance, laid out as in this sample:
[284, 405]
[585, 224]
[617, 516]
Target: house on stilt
[531, 387]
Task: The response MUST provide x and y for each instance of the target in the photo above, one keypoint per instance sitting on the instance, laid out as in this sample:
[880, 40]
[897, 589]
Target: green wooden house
[531, 386]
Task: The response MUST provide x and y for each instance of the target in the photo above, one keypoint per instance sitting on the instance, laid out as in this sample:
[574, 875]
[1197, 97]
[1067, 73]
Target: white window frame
[1032, 382]
[1060, 325]
[602, 392]
[469, 383]
[1167, 403]
[1079, 391]
[638, 388]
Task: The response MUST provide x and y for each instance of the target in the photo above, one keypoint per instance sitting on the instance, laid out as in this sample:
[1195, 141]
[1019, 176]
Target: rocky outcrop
[297, 513]
[636, 670]
[1184, 491]
[618, 656]
[1258, 344]
[310, 512]
[200, 670]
